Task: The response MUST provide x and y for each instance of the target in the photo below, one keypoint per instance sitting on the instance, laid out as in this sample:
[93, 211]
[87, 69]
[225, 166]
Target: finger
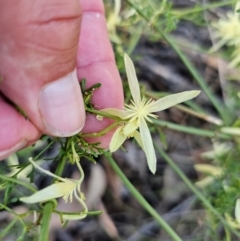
[38, 48]
[95, 63]
[15, 132]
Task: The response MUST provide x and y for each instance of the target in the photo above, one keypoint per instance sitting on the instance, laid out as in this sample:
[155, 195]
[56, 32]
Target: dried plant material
[96, 186]
[107, 223]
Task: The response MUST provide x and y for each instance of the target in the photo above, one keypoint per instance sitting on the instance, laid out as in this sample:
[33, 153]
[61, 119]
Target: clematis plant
[140, 111]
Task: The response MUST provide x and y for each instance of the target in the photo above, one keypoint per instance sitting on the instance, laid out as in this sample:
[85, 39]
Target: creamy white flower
[65, 188]
[237, 210]
[136, 115]
[226, 31]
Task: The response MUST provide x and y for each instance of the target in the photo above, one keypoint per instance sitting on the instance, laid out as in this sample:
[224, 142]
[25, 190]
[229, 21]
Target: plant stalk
[142, 201]
[45, 222]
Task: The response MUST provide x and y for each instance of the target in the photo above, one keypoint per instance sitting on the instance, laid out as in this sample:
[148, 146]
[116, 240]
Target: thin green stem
[81, 172]
[219, 107]
[45, 222]
[17, 181]
[192, 187]
[203, 8]
[43, 150]
[142, 201]
[5, 231]
[190, 130]
[46, 171]
[101, 113]
[49, 206]
[17, 218]
[101, 133]
[60, 167]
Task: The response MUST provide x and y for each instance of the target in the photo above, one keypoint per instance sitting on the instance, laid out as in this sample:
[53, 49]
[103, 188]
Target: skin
[40, 44]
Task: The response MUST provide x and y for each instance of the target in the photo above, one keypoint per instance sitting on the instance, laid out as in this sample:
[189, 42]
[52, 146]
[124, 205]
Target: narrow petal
[231, 130]
[130, 127]
[171, 100]
[132, 79]
[122, 114]
[148, 145]
[73, 216]
[209, 169]
[237, 210]
[53, 191]
[117, 139]
[138, 138]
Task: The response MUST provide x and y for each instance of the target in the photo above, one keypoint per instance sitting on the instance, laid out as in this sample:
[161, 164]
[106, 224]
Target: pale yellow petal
[53, 191]
[171, 100]
[209, 169]
[232, 222]
[73, 216]
[138, 138]
[231, 130]
[132, 79]
[206, 181]
[122, 114]
[117, 139]
[148, 145]
[237, 210]
[130, 127]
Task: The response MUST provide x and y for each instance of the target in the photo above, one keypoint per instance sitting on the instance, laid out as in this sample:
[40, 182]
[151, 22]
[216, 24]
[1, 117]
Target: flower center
[141, 109]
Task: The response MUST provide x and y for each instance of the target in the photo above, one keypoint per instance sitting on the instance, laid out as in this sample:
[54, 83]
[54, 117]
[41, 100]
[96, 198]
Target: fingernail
[4, 154]
[61, 106]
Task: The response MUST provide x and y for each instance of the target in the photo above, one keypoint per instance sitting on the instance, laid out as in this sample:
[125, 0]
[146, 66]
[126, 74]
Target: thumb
[38, 49]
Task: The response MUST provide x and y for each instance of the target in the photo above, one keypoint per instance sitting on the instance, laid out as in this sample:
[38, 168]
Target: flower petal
[122, 114]
[73, 216]
[237, 210]
[130, 127]
[171, 100]
[117, 139]
[138, 138]
[53, 191]
[132, 79]
[148, 145]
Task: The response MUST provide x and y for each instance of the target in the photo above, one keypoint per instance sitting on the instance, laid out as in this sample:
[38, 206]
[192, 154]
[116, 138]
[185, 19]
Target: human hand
[42, 58]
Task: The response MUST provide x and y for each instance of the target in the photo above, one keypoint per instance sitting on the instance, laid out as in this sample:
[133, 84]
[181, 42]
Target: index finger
[96, 63]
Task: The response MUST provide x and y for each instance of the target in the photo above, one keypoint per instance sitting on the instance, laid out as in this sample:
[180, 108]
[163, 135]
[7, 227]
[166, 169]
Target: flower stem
[142, 201]
[45, 222]
[190, 130]
[17, 181]
[192, 187]
[101, 133]
[101, 113]
[49, 206]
